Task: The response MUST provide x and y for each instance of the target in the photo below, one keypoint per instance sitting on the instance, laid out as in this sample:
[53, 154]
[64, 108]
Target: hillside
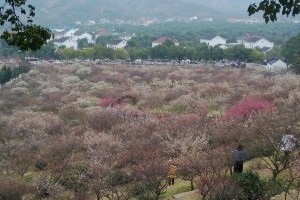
[228, 8]
[55, 11]
[82, 130]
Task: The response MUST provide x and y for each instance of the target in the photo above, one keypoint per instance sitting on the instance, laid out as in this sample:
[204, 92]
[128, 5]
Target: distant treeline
[166, 51]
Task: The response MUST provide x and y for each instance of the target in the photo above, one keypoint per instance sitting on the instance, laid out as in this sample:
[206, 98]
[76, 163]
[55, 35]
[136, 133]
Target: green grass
[179, 187]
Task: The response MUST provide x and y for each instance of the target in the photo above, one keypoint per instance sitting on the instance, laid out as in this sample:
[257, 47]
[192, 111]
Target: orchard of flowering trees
[88, 131]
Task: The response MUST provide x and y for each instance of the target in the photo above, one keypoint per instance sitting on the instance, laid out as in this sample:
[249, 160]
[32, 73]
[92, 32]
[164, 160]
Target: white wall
[263, 43]
[84, 35]
[70, 43]
[277, 66]
[214, 42]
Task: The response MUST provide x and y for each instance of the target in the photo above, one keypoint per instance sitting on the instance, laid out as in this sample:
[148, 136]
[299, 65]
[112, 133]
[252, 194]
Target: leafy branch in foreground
[22, 32]
[271, 8]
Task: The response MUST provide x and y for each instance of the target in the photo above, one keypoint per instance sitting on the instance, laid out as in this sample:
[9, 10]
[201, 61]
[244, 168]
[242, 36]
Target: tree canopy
[271, 8]
[17, 18]
[291, 51]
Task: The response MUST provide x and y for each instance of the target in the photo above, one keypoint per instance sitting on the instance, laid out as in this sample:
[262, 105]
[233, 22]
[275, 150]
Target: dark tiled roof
[115, 42]
[271, 62]
[78, 33]
[252, 38]
[61, 40]
[59, 32]
[210, 37]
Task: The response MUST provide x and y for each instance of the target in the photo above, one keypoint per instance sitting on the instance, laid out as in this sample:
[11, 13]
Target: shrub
[140, 191]
[28, 176]
[228, 192]
[70, 79]
[274, 187]
[72, 179]
[72, 115]
[40, 164]
[12, 190]
[174, 93]
[118, 177]
[83, 72]
[192, 104]
[101, 90]
[103, 119]
[45, 188]
[179, 109]
[252, 185]
[174, 77]
[211, 90]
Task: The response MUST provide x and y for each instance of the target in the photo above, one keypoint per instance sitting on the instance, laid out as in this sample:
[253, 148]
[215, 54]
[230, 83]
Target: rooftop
[160, 40]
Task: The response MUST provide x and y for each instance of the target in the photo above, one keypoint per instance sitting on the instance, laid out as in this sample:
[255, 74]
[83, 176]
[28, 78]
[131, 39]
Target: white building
[70, 33]
[213, 40]
[251, 42]
[81, 35]
[117, 44]
[61, 33]
[276, 65]
[68, 42]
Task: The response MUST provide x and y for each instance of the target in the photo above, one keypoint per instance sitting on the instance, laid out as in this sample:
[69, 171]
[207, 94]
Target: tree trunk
[192, 185]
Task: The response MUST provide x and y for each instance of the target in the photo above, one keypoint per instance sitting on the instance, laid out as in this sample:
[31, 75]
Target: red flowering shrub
[247, 107]
[107, 101]
[174, 77]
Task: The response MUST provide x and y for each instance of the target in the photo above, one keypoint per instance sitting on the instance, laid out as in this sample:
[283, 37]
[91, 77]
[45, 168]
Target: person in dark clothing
[238, 156]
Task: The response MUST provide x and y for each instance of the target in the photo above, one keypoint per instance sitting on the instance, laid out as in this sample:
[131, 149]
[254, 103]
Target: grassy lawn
[180, 186]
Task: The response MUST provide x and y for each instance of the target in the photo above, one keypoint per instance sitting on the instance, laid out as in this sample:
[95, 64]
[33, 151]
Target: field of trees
[88, 131]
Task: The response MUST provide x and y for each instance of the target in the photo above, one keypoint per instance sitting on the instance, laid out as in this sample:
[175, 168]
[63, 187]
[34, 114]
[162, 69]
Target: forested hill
[79, 10]
[227, 8]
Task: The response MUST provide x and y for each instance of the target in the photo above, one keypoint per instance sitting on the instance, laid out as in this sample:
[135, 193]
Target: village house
[251, 42]
[62, 32]
[58, 33]
[68, 42]
[81, 35]
[276, 65]
[71, 32]
[162, 39]
[213, 40]
[117, 44]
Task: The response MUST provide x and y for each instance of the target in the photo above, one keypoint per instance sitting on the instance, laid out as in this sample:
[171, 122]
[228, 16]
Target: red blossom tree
[247, 107]
[107, 101]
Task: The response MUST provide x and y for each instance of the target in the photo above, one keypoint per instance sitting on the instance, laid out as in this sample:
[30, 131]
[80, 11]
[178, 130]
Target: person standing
[238, 156]
[288, 143]
[171, 173]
